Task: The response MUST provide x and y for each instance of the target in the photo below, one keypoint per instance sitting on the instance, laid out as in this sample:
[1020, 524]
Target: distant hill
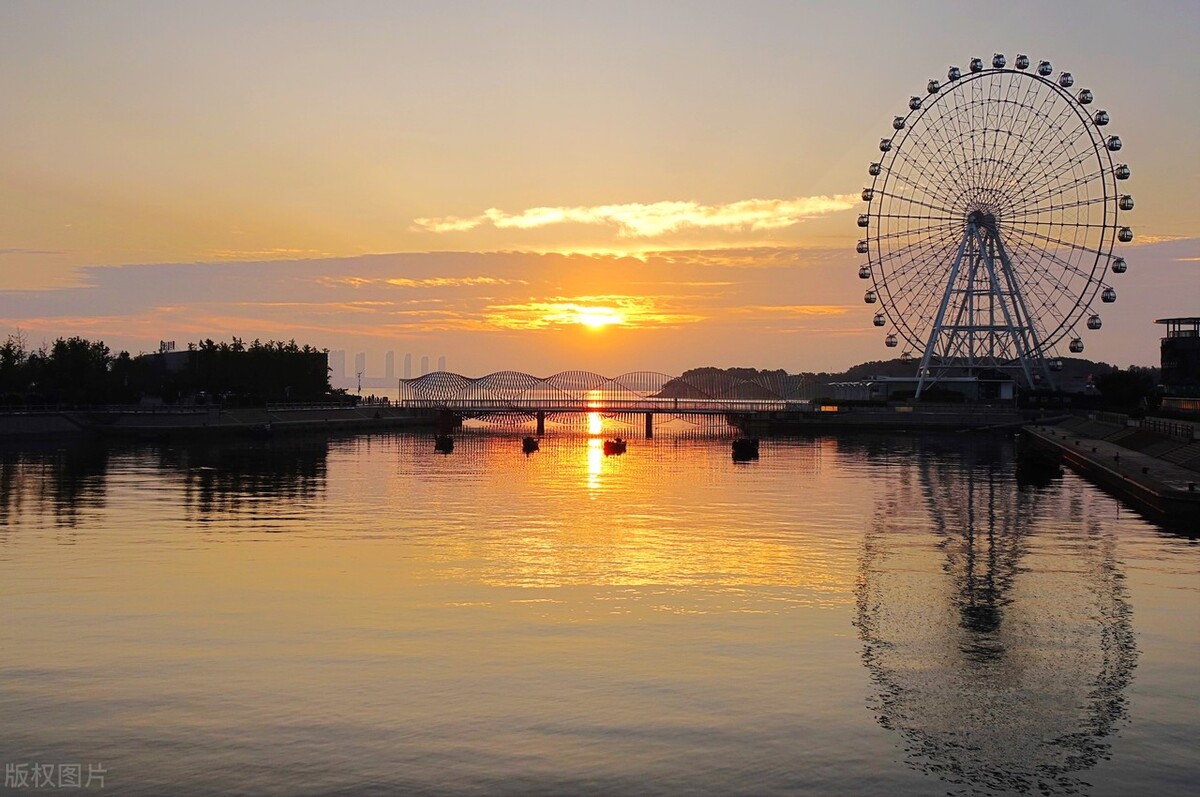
[1075, 376]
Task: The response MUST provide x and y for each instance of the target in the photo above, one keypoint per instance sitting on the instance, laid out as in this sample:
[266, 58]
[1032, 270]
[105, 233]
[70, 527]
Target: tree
[1130, 389]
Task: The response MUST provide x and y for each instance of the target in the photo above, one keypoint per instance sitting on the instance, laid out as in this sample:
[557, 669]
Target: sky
[537, 186]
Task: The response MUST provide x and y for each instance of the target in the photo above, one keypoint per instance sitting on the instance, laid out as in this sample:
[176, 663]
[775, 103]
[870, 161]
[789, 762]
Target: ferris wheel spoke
[929, 266]
[944, 214]
[994, 115]
[917, 258]
[1036, 252]
[1047, 239]
[1082, 225]
[901, 238]
[1044, 294]
[900, 265]
[951, 170]
[921, 196]
[934, 190]
[1087, 180]
[903, 178]
[1064, 158]
[933, 148]
[1022, 113]
[1046, 304]
[1048, 117]
[1053, 174]
[921, 217]
[1078, 276]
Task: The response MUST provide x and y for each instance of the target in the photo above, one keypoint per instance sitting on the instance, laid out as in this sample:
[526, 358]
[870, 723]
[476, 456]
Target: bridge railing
[660, 405]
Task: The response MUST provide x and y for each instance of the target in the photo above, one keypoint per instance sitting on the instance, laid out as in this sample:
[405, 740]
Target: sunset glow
[598, 316]
[585, 188]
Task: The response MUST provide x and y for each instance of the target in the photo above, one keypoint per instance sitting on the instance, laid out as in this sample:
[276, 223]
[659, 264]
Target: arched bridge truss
[516, 396]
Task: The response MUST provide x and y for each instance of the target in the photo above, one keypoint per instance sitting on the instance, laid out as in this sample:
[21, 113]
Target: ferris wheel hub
[983, 219]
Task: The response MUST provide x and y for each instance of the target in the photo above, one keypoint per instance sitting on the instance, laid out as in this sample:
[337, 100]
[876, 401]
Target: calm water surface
[363, 616]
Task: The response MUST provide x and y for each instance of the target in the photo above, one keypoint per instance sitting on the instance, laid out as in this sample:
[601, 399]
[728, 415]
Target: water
[361, 616]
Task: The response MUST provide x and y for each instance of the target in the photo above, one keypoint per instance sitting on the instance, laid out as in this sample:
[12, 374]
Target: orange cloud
[593, 311]
[428, 282]
[637, 220]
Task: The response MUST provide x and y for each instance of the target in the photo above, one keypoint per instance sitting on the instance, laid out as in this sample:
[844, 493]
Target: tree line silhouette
[75, 370]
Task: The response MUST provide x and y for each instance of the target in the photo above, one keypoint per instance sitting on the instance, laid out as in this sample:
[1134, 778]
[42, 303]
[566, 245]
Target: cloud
[32, 252]
[407, 282]
[1147, 239]
[636, 220]
[559, 311]
[266, 254]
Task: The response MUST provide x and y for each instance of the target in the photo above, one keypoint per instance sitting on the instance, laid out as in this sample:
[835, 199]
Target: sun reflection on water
[595, 462]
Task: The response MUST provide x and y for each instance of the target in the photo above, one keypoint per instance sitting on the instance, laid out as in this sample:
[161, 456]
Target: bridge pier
[448, 421]
[541, 423]
[649, 425]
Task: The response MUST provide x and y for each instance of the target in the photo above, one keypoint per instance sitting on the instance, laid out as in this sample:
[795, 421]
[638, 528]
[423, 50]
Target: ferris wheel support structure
[967, 342]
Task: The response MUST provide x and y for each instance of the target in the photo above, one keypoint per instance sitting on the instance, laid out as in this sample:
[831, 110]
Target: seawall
[1143, 474]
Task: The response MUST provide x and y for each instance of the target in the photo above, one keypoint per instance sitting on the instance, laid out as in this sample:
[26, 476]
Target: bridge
[704, 393]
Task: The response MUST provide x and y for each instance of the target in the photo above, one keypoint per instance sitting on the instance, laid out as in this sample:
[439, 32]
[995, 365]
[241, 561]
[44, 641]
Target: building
[389, 366]
[1180, 353]
[994, 387]
[337, 364]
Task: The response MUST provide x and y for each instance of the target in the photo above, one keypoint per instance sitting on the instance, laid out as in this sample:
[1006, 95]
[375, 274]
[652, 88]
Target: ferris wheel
[992, 217]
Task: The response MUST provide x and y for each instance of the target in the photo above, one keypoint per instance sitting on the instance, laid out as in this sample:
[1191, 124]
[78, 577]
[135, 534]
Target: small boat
[443, 444]
[614, 446]
[745, 449]
[529, 445]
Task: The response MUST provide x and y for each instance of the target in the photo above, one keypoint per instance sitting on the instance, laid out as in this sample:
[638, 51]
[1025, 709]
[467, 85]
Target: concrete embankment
[159, 423]
[1156, 470]
[904, 417]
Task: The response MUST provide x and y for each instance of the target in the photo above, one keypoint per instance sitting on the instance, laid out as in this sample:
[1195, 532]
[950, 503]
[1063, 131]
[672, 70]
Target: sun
[597, 317]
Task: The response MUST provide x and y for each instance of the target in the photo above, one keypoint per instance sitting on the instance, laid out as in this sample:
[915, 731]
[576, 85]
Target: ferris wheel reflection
[1007, 669]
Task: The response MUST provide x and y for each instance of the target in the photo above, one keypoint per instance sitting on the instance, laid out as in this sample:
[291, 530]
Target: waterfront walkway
[1155, 463]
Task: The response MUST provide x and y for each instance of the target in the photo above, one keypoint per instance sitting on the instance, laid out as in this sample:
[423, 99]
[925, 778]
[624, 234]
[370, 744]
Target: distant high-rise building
[337, 365]
[360, 363]
[424, 365]
[408, 366]
[442, 363]
[389, 366]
